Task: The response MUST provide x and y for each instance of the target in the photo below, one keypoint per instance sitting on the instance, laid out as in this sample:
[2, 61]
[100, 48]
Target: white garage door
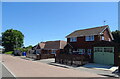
[104, 55]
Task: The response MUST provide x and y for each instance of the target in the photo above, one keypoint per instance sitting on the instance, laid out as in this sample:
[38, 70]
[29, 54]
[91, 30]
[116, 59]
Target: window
[99, 49]
[70, 51]
[104, 49]
[89, 50]
[73, 39]
[109, 49]
[103, 38]
[53, 51]
[81, 51]
[89, 38]
[109, 39]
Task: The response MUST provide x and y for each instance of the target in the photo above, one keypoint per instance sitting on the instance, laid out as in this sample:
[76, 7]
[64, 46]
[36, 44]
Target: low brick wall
[71, 59]
[40, 56]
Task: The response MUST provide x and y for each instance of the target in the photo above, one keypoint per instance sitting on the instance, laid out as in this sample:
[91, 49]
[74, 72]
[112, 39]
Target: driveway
[90, 67]
[25, 68]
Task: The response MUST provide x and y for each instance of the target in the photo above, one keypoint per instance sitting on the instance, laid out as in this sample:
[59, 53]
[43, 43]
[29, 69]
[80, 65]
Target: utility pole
[16, 42]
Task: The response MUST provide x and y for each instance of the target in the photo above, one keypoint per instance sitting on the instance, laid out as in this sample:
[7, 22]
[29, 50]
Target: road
[4, 72]
[25, 68]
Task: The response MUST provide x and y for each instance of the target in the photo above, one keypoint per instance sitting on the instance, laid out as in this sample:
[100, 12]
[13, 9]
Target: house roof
[55, 44]
[42, 45]
[59, 44]
[89, 31]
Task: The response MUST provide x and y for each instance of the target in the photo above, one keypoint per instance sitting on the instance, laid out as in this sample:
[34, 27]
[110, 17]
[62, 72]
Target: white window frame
[81, 51]
[89, 50]
[109, 49]
[73, 39]
[103, 38]
[89, 38]
[104, 49]
[109, 39]
[98, 49]
[53, 51]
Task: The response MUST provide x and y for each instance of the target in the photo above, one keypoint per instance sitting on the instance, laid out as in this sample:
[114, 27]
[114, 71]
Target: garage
[104, 55]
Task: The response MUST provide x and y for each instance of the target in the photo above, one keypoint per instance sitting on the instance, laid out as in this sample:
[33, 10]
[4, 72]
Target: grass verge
[10, 52]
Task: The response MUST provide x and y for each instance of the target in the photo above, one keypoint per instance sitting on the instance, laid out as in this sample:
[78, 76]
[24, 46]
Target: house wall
[81, 43]
[107, 36]
[82, 39]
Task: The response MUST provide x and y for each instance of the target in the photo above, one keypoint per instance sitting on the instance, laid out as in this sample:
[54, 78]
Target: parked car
[17, 53]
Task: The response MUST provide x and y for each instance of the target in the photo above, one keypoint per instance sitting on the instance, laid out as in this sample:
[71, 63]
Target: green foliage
[10, 52]
[12, 39]
[24, 49]
[29, 47]
[116, 36]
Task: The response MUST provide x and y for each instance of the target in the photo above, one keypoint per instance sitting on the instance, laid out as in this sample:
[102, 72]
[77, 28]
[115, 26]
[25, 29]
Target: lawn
[10, 52]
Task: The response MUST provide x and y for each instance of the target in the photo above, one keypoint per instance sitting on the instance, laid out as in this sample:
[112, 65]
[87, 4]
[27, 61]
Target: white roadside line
[8, 69]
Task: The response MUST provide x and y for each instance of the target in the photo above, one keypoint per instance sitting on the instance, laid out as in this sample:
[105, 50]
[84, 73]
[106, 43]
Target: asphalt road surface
[4, 71]
[25, 68]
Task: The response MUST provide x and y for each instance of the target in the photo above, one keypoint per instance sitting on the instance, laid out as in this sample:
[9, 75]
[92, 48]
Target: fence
[37, 56]
[70, 59]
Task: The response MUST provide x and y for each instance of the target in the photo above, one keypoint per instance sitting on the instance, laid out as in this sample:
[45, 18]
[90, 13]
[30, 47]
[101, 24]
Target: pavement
[22, 67]
[100, 69]
[104, 70]
[101, 66]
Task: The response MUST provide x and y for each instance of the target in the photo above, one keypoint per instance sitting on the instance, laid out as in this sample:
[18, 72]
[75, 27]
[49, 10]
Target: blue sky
[44, 21]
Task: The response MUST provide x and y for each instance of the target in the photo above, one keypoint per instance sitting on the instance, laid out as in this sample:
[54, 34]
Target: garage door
[104, 55]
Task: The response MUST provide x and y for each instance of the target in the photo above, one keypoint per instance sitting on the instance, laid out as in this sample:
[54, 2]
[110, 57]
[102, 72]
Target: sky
[49, 21]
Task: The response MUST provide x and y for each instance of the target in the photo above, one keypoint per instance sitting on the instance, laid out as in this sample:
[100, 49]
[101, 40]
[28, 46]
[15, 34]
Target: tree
[29, 47]
[12, 39]
[116, 36]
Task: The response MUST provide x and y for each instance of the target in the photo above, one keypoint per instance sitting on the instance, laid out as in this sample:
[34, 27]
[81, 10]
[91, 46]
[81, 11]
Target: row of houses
[46, 49]
[83, 46]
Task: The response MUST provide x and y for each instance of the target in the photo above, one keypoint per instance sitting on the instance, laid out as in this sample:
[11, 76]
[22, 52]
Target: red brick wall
[107, 35]
[82, 39]
[82, 43]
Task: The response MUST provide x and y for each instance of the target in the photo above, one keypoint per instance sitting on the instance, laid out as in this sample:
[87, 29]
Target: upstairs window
[109, 39]
[73, 39]
[103, 38]
[89, 38]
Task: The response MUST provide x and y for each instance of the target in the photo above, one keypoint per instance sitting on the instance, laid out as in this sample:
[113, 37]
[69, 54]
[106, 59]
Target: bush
[10, 52]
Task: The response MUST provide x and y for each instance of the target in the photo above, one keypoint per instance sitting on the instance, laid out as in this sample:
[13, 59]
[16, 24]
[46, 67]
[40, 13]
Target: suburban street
[25, 68]
[5, 72]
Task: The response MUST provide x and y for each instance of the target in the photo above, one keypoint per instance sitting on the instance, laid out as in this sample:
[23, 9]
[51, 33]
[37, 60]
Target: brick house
[95, 44]
[47, 49]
